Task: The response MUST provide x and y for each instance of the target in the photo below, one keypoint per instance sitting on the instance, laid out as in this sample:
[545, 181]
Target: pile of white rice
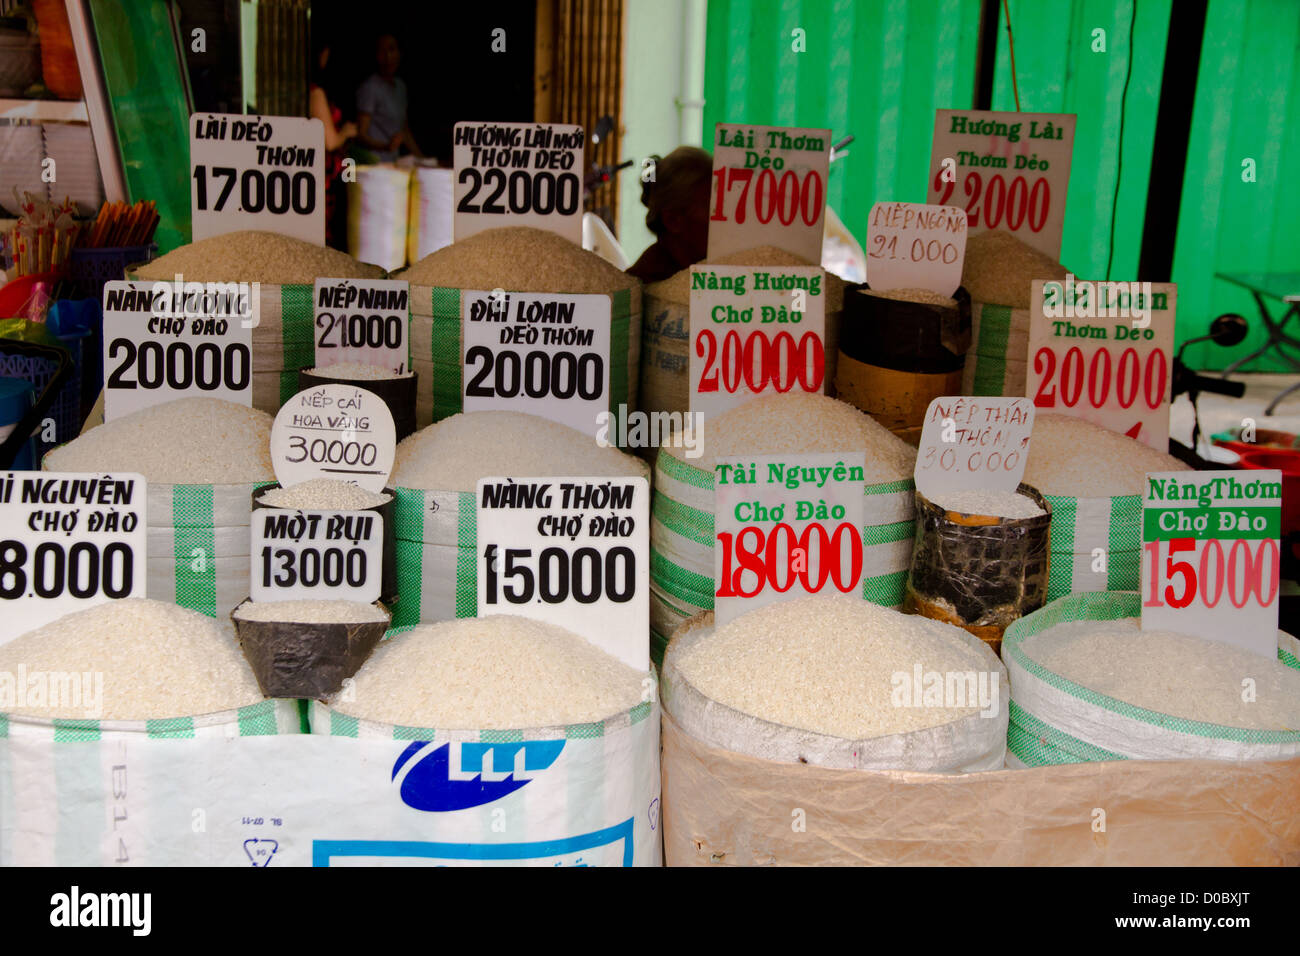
[357, 371]
[518, 259]
[157, 660]
[1069, 457]
[1000, 269]
[310, 612]
[1170, 673]
[826, 664]
[253, 256]
[922, 296]
[491, 673]
[324, 494]
[191, 441]
[989, 502]
[800, 423]
[453, 454]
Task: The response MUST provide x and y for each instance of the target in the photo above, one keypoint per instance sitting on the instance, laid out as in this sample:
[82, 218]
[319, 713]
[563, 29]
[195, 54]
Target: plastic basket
[91, 269]
[66, 410]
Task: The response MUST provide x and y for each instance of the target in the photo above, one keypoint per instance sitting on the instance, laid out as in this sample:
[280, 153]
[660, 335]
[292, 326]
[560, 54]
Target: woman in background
[337, 134]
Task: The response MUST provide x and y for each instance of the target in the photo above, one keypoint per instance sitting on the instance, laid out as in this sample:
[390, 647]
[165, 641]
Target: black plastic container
[308, 661]
[397, 393]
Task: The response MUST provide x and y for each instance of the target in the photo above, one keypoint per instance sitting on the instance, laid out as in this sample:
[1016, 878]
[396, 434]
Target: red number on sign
[993, 207]
[824, 553]
[973, 184]
[765, 197]
[1038, 205]
[811, 196]
[758, 362]
[1016, 203]
[1071, 377]
[709, 375]
[1099, 383]
[1157, 375]
[945, 185]
[1045, 366]
[1242, 572]
[1183, 569]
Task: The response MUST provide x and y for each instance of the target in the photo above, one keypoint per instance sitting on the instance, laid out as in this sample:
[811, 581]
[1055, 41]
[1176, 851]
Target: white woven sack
[584, 794]
[102, 793]
[966, 745]
[1055, 720]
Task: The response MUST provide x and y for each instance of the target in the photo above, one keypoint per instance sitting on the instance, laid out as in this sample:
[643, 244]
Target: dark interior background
[450, 70]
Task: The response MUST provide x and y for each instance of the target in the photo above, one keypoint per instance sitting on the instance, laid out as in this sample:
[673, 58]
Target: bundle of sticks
[121, 224]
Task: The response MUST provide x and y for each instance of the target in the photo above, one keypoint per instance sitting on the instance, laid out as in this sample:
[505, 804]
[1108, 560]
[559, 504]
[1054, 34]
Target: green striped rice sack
[576, 795]
[997, 361]
[198, 545]
[436, 535]
[681, 544]
[437, 351]
[102, 793]
[1056, 721]
[1082, 525]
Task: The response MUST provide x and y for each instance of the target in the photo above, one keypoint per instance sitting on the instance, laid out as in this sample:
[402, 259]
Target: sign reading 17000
[769, 189]
[257, 172]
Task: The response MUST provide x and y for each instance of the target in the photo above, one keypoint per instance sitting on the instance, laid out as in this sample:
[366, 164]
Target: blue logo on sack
[429, 784]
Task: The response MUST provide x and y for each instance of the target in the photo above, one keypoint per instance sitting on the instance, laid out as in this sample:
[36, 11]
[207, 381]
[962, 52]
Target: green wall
[879, 70]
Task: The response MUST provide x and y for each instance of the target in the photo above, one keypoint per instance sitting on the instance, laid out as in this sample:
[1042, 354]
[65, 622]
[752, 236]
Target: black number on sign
[13, 558]
[304, 193]
[491, 204]
[584, 575]
[176, 366]
[278, 191]
[559, 374]
[117, 567]
[541, 192]
[252, 190]
[466, 203]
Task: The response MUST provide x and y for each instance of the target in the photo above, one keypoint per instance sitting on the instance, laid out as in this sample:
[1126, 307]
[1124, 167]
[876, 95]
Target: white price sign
[574, 552]
[915, 246]
[316, 555]
[518, 174]
[769, 189]
[1211, 559]
[755, 330]
[1102, 351]
[969, 443]
[257, 172]
[786, 526]
[364, 321]
[334, 431]
[67, 543]
[1009, 171]
[537, 353]
[166, 340]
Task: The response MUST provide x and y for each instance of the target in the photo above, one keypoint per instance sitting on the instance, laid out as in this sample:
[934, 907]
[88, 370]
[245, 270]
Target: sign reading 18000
[257, 172]
[67, 543]
[166, 340]
[518, 174]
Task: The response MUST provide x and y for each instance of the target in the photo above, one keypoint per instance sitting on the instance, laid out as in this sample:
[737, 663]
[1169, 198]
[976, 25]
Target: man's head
[388, 55]
[677, 202]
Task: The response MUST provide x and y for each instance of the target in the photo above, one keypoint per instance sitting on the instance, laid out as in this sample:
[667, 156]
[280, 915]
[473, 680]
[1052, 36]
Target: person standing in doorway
[321, 106]
[381, 106]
